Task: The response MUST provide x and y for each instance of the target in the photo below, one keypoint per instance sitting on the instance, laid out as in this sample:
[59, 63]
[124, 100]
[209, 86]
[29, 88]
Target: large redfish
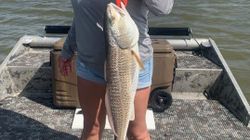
[122, 68]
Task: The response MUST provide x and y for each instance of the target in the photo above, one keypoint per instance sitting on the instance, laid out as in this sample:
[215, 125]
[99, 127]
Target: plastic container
[64, 88]
[164, 64]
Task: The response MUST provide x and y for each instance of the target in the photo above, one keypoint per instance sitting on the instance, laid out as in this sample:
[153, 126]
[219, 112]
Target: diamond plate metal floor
[34, 117]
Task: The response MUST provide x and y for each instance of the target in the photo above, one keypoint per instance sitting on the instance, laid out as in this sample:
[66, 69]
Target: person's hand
[65, 66]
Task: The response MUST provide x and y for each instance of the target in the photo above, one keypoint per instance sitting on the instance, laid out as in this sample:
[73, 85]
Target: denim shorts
[145, 75]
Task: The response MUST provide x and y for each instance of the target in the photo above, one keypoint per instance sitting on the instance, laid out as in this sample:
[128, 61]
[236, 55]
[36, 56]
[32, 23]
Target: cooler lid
[161, 46]
[59, 44]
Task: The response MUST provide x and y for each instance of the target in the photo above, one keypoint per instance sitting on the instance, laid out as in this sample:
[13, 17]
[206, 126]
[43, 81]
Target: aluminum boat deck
[27, 110]
[34, 117]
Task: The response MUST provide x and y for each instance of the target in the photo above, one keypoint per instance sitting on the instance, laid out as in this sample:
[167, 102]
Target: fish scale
[121, 83]
[120, 78]
[122, 69]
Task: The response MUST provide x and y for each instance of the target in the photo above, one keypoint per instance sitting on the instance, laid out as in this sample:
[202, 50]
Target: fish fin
[138, 59]
[108, 110]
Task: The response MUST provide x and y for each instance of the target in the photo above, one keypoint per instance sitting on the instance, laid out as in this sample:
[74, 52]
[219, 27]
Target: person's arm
[69, 46]
[159, 7]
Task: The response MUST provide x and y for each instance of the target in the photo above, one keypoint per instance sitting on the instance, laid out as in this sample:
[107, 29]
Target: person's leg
[91, 97]
[138, 129]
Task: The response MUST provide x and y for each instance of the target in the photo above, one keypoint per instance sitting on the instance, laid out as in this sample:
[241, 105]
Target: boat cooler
[164, 62]
[65, 88]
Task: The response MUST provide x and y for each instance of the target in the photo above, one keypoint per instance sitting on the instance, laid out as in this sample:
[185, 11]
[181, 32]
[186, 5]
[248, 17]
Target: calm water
[226, 21]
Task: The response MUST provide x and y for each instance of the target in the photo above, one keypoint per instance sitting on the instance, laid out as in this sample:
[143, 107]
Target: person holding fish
[114, 64]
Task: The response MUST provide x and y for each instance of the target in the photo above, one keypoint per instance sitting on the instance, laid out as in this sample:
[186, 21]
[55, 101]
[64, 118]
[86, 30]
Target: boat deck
[34, 117]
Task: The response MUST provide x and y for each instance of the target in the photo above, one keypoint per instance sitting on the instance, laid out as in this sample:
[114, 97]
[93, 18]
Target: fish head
[122, 26]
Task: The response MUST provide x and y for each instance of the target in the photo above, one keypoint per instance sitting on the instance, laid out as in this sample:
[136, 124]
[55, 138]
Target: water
[226, 21]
